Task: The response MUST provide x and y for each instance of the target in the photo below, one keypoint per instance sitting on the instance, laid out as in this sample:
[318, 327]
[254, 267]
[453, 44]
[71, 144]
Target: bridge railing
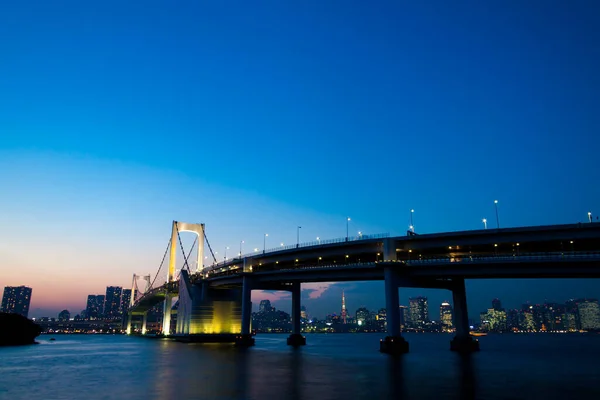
[517, 257]
[272, 250]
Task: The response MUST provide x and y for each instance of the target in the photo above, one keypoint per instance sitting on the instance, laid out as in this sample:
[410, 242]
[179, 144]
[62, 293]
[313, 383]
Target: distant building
[95, 306]
[381, 319]
[493, 320]
[446, 316]
[265, 306]
[16, 300]
[513, 320]
[64, 315]
[125, 300]
[343, 313]
[404, 317]
[571, 315]
[497, 305]
[419, 312]
[362, 316]
[589, 314]
[112, 302]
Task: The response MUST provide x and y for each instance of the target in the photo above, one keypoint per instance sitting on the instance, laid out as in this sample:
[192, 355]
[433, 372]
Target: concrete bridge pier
[296, 338]
[393, 343]
[462, 342]
[246, 339]
[128, 329]
[166, 325]
[144, 322]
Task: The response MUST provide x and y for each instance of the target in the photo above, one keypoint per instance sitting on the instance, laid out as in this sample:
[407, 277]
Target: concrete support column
[246, 305]
[392, 302]
[296, 338]
[246, 339]
[389, 250]
[128, 329]
[394, 343]
[144, 322]
[166, 325]
[462, 342]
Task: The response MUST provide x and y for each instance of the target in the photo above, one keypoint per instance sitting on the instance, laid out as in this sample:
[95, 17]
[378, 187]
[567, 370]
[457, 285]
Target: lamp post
[412, 226]
[484, 223]
[225, 257]
[590, 216]
[347, 222]
[360, 234]
[497, 220]
[265, 242]
[298, 237]
[319, 240]
[241, 243]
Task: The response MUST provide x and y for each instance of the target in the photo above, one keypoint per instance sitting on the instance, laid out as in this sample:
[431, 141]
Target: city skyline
[368, 114]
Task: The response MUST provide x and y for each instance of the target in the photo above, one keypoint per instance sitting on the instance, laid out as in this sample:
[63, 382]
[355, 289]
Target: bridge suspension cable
[210, 248]
[161, 264]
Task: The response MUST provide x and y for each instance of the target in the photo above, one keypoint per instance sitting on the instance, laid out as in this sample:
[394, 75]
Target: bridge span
[214, 302]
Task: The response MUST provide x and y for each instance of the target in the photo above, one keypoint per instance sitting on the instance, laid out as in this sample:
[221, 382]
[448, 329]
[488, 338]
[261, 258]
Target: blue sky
[116, 119]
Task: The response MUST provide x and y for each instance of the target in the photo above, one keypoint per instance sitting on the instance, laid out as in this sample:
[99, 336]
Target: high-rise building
[571, 315]
[362, 316]
[497, 305]
[419, 311]
[64, 315]
[95, 306]
[16, 300]
[493, 320]
[381, 318]
[589, 314]
[264, 306]
[303, 314]
[343, 314]
[446, 316]
[125, 300]
[404, 317]
[112, 302]
[513, 320]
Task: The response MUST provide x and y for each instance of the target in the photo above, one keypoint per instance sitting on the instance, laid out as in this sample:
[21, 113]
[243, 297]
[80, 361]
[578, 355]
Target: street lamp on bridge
[590, 216]
[298, 237]
[497, 220]
[347, 222]
[484, 223]
[319, 240]
[265, 242]
[412, 225]
[241, 243]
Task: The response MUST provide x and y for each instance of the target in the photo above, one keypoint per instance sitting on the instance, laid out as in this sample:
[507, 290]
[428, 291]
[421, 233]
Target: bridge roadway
[442, 260]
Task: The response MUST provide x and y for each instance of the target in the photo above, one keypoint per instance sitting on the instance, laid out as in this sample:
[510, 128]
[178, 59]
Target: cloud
[315, 290]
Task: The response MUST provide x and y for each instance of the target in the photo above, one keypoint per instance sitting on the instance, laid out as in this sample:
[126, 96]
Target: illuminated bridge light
[518, 244]
[495, 244]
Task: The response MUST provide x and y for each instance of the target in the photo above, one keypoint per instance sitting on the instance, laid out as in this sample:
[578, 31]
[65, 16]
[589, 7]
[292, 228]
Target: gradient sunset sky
[257, 117]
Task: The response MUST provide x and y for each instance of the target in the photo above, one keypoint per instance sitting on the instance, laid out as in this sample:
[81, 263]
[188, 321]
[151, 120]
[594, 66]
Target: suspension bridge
[214, 301]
